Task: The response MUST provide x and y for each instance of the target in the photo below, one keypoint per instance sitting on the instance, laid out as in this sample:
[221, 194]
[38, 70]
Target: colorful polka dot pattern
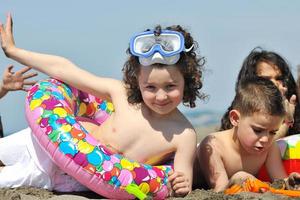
[56, 107]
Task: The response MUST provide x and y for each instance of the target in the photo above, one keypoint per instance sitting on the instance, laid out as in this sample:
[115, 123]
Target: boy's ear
[234, 117]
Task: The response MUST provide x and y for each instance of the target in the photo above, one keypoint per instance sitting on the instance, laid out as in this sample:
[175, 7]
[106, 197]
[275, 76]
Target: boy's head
[258, 94]
[258, 111]
[159, 48]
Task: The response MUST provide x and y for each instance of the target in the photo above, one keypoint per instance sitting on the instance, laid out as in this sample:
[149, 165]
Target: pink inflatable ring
[53, 110]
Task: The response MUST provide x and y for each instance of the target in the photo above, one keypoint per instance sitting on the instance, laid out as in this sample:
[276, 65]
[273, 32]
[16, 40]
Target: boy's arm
[182, 177]
[57, 67]
[211, 164]
[274, 163]
[276, 170]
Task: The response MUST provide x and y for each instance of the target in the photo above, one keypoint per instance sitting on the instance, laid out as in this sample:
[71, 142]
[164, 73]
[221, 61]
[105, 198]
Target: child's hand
[17, 80]
[179, 184]
[293, 181]
[7, 39]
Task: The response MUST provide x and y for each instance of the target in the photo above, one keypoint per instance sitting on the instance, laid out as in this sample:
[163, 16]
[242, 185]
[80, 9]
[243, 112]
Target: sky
[95, 35]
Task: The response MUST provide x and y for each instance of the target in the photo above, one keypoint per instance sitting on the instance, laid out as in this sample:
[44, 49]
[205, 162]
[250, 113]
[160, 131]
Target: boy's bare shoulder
[214, 140]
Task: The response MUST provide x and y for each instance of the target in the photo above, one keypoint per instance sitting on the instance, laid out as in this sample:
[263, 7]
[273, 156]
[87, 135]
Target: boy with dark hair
[239, 153]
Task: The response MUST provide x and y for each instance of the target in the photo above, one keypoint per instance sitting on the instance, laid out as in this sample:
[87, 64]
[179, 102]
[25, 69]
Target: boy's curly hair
[191, 67]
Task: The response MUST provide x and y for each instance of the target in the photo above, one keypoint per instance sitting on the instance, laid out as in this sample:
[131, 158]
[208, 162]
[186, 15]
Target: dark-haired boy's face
[256, 133]
[272, 73]
[161, 88]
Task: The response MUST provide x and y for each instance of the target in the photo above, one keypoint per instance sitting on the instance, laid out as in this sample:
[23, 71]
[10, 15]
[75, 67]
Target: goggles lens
[168, 43]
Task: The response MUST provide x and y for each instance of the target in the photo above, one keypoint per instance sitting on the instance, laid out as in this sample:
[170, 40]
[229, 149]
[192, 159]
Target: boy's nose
[265, 138]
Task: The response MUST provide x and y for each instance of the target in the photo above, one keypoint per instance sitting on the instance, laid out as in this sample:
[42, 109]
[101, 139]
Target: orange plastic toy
[255, 185]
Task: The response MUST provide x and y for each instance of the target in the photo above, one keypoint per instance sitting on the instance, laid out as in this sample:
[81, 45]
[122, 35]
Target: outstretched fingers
[23, 72]
[8, 69]
[8, 27]
[7, 40]
[2, 35]
[30, 75]
[29, 82]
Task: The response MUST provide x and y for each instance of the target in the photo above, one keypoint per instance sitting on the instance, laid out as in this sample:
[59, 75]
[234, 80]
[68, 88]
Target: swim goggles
[164, 48]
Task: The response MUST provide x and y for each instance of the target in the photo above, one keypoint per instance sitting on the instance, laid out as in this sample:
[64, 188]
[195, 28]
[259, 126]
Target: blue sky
[95, 35]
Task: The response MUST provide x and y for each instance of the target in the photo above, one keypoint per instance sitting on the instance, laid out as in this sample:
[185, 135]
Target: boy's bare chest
[251, 164]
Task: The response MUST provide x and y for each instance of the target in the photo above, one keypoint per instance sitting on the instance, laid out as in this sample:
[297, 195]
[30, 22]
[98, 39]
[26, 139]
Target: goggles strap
[189, 49]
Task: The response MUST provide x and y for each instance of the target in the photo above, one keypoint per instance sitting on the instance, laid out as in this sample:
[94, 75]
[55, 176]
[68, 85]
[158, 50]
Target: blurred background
[95, 35]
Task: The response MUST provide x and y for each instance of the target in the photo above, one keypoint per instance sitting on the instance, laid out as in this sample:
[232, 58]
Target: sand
[37, 194]
[26, 193]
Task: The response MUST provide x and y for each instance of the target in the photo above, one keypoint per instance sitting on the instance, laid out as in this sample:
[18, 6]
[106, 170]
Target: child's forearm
[51, 65]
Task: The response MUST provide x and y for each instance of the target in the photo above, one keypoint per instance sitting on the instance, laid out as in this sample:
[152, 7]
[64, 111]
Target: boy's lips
[259, 148]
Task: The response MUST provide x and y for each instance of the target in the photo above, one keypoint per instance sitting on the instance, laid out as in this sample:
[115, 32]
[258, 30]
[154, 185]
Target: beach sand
[26, 193]
[41, 194]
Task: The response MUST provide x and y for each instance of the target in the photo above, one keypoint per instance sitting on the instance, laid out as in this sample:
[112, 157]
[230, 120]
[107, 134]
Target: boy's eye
[257, 131]
[272, 132]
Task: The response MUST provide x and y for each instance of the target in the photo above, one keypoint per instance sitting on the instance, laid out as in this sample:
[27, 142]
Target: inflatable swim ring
[53, 111]
[290, 153]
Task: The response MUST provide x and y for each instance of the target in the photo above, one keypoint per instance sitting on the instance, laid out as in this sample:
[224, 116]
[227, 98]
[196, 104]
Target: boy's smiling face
[161, 88]
[256, 133]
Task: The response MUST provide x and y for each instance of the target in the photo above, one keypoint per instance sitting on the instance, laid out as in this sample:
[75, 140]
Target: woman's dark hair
[190, 66]
[249, 69]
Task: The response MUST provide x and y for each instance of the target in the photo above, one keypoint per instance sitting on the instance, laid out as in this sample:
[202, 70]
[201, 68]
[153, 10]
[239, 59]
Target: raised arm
[56, 66]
